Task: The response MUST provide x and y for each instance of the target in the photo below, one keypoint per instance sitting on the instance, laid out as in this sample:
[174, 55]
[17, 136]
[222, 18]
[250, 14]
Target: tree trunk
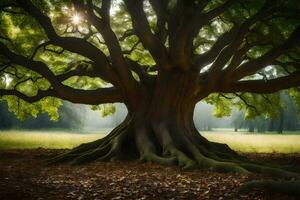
[281, 121]
[163, 132]
[251, 126]
[271, 125]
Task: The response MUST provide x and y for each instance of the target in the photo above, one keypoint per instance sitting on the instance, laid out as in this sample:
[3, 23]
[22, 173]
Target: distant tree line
[69, 119]
[286, 120]
[78, 118]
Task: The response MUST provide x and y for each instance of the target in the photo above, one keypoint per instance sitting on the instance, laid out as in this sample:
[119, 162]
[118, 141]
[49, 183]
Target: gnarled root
[107, 148]
[291, 188]
[166, 146]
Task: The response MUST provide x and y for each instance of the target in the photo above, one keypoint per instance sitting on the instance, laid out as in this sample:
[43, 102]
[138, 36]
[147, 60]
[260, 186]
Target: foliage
[23, 109]
[67, 116]
[105, 109]
[296, 97]
[253, 104]
[25, 35]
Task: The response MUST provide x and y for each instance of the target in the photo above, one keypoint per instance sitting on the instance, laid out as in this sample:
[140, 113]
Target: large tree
[159, 58]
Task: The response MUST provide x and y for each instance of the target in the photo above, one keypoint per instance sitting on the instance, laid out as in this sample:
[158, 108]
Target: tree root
[103, 149]
[179, 148]
[291, 188]
[110, 148]
[151, 157]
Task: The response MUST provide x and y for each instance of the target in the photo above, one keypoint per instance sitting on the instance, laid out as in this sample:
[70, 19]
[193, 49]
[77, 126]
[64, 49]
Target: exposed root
[174, 156]
[215, 165]
[175, 143]
[160, 146]
[86, 153]
[271, 171]
[103, 149]
[225, 152]
[111, 149]
[151, 157]
[183, 160]
[94, 154]
[291, 188]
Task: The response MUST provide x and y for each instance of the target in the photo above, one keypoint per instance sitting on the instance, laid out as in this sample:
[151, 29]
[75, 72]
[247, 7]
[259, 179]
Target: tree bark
[161, 130]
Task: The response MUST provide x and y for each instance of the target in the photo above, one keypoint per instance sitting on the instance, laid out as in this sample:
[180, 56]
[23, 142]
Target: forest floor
[25, 175]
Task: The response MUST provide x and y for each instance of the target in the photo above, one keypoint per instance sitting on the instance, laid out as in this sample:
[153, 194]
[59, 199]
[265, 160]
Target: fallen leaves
[25, 176]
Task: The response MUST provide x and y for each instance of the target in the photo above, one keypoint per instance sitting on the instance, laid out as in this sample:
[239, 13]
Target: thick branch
[30, 99]
[36, 66]
[141, 71]
[200, 19]
[147, 38]
[264, 86]
[103, 95]
[242, 30]
[111, 40]
[253, 66]
[209, 56]
[160, 8]
[239, 56]
[178, 32]
[75, 45]
[92, 97]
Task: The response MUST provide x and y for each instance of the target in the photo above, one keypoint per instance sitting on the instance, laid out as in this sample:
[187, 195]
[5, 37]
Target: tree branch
[98, 96]
[160, 8]
[242, 30]
[141, 71]
[209, 56]
[91, 97]
[244, 100]
[30, 99]
[147, 38]
[75, 45]
[264, 86]
[200, 19]
[253, 66]
[111, 40]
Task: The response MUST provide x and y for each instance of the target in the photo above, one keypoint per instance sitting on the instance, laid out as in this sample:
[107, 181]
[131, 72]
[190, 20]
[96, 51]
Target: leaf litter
[25, 175]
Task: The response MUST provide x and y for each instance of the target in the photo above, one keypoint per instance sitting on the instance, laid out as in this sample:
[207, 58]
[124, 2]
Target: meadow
[241, 141]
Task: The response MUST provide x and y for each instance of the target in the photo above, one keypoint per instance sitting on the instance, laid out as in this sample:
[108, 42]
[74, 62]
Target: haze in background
[80, 118]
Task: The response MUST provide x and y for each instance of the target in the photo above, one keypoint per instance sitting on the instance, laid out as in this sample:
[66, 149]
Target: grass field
[33, 139]
[260, 143]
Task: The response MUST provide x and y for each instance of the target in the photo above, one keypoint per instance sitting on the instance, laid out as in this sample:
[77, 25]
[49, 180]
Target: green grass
[260, 143]
[54, 140]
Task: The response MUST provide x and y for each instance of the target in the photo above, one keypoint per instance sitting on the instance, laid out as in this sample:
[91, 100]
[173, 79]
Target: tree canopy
[92, 52]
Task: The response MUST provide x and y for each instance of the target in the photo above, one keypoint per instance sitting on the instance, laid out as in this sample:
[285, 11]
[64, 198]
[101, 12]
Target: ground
[25, 175]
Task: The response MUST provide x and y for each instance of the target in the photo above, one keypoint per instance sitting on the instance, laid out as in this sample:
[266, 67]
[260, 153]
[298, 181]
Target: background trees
[68, 119]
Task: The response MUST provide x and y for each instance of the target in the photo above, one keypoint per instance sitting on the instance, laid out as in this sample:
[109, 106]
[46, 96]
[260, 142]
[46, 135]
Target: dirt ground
[25, 175]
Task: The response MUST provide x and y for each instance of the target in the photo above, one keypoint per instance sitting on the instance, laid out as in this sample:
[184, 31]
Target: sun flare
[76, 19]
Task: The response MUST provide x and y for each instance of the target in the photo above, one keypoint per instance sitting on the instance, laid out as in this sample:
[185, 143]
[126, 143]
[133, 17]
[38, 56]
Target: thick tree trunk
[161, 130]
[168, 141]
